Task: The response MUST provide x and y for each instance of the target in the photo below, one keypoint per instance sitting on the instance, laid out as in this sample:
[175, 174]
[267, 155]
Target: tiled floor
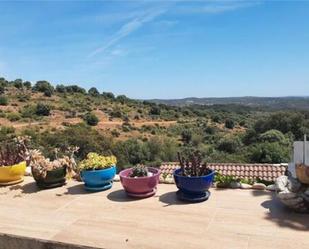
[240, 219]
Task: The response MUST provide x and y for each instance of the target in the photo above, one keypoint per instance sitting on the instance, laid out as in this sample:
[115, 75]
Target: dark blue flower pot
[193, 188]
[97, 180]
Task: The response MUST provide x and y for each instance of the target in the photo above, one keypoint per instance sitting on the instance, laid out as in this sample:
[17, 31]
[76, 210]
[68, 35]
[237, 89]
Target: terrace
[69, 217]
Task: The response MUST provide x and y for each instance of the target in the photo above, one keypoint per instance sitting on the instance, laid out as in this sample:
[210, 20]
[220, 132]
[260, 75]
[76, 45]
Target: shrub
[108, 95]
[18, 83]
[273, 136]
[116, 113]
[60, 88]
[4, 100]
[23, 97]
[28, 111]
[42, 109]
[155, 110]
[13, 116]
[2, 89]
[269, 153]
[91, 119]
[75, 89]
[48, 92]
[186, 136]
[216, 118]
[229, 145]
[229, 124]
[27, 85]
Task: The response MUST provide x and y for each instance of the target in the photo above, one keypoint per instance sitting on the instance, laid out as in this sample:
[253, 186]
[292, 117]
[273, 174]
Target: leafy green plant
[224, 181]
[96, 161]
[13, 116]
[42, 109]
[139, 171]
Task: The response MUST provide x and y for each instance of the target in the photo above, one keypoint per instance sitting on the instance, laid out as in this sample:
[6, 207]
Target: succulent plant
[14, 152]
[139, 171]
[40, 165]
[193, 165]
[96, 161]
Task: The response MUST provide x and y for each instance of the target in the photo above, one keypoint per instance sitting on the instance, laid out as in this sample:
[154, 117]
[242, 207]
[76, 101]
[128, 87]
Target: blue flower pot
[98, 180]
[193, 188]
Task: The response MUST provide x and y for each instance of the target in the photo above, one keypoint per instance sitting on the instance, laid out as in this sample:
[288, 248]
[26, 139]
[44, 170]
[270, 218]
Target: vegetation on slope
[143, 132]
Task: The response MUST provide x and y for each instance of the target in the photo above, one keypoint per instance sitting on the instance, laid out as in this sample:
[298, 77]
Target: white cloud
[215, 7]
[127, 29]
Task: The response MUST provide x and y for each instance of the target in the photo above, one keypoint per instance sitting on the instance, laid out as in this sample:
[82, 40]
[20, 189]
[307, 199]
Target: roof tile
[268, 172]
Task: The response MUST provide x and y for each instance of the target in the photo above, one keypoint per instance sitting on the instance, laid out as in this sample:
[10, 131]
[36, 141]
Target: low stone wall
[8, 241]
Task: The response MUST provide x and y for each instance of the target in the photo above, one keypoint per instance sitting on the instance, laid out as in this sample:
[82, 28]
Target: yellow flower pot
[12, 174]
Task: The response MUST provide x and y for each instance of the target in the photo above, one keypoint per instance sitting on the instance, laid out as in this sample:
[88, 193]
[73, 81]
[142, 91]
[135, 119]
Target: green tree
[108, 95]
[273, 136]
[60, 88]
[93, 91]
[44, 87]
[18, 83]
[27, 84]
[155, 110]
[229, 144]
[269, 153]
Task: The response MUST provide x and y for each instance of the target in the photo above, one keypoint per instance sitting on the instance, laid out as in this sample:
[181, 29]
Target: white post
[305, 149]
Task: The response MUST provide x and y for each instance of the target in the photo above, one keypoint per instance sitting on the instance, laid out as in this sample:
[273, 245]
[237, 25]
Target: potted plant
[193, 178]
[140, 181]
[13, 157]
[98, 171]
[52, 173]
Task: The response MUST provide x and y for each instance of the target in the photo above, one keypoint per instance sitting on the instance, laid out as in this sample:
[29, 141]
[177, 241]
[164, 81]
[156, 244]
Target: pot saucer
[192, 198]
[44, 185]
[11, 182]
[142, 195]
[96, 189]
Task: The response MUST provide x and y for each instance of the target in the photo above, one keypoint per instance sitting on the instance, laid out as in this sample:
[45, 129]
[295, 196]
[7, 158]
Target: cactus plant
[193, 165]
[139, 171]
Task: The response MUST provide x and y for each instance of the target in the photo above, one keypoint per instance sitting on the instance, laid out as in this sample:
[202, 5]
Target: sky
[160, 49]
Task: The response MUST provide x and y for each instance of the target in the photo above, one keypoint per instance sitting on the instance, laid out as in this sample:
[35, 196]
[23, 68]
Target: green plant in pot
[97, 171]
[52, 173]
[13, 160]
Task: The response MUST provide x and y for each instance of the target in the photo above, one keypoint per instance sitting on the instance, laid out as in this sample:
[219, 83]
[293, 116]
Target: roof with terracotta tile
[266, 172]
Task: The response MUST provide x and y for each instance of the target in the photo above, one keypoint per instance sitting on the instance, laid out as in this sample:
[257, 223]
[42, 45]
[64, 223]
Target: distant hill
[277, 103]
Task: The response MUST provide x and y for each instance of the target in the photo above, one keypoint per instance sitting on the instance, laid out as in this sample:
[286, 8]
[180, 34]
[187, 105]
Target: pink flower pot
[140, 187]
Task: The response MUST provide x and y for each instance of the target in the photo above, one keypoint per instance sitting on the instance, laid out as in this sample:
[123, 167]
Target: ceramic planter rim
[113, 166]
[10, 166]
[193, 177]
[143, 177]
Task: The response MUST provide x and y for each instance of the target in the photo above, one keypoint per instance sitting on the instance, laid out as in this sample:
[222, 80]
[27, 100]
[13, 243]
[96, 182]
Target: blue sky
[156, 49]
